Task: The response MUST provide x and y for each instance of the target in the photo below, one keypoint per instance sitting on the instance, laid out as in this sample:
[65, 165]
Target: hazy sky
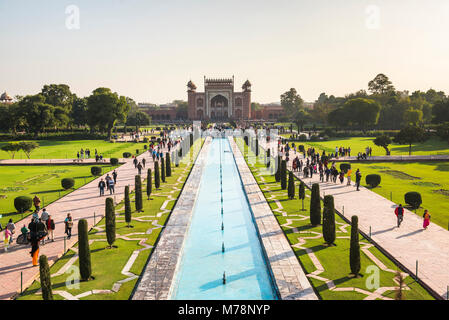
[148, 50]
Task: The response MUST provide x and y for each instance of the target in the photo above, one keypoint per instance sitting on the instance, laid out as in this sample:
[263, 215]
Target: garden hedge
[345, 167]
[413, 199]
[113, 161]
[127, 154]
[96, 171]
[67, 183]
[373, 180]
[23, 203]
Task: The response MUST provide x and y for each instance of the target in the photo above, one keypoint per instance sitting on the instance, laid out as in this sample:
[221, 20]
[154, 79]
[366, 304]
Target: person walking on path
[101, 186]
[358, 179]
[37, 202]
[8, 236]
[41, 231]
[68, 225]
[349, 177]
[12, 229]
[114, 176]
[143, 162]
[139, 168]
[34, 239]
[50, 229]
[44, 216]
[107, 181]
[399, 211]
[426, 216]
[111, 186]
[135, 162]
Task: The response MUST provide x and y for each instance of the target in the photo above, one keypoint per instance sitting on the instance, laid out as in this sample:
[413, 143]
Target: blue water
[201, 270]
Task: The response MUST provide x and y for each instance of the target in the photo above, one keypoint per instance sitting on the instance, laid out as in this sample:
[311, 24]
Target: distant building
[163, 112]
[6, 98]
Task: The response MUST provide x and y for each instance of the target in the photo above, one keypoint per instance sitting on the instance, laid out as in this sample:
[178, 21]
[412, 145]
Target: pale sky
[149, 50]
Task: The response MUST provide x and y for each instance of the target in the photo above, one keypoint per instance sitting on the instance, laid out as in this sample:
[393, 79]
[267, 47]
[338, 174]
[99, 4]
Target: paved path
[82, 203]
[395, 158]
[32, 162]
[408, 244]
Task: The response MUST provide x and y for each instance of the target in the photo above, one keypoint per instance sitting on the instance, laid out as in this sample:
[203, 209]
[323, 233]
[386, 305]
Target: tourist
[114, 176]
[24, 231]
[44, 216]
[426, 216]
[37, 202]
[143, 162]
[8, 236]
[358, 179]
[35, 215]
[342, 176]
[34, 239]
[12, 229]
[399, 211]
[41, 231]
[349, 177]
[111, 186]
[101, 186]
[135, 162]
[68, 222]
[50, 228]
[108, 177]
[139, 168]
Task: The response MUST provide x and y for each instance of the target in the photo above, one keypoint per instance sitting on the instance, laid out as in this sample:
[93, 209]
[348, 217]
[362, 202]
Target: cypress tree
[283, 175]
[277, 175]
[138, 191]
[84, 251]
[149, 183]
[315, 205]
[44, 271]
[168, 166]
[257, 147]
[110, 221]
[354, 250]
[162, 170]
[127, 206]
[329, 220]
[157, 178]
[291, 185]
[302, 193]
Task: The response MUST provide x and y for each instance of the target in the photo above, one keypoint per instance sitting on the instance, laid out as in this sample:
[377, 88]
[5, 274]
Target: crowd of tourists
[85, 154]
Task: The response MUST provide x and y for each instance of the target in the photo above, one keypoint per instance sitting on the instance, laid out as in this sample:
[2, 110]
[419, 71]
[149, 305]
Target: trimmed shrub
[127, 154]
[110, 221]
[138, 191]
[157, 178]
[168, 165]
[315, 205]
[145, 140]
[44, 272]
[84, 251]
[95, 171]
[302, 193]
[67, 183]
[23, 203]
[149, 183]
[413, 199]
[113, 161]
[283, 175]
[354, 250]
[145, 147]
[373, 180]
[345, 167]
[301, 148]
[127, 206]
[137, 152]
[329, 220]
[162, 169]
[302, 138]
[291, 185]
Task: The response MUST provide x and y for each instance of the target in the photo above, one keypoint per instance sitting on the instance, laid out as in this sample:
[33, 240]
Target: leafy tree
[127, 206]
[443, 131]
[329, 220]
[380, 85]
[364, 112]
[105, 108]
[291, 185]
[410, 135]
[36, 113]
[300, 118]
[10, 118]
[84, 251]
[79, 113]
[440, 112]
[354, 250]
[413, 116]
[291, 101]
[182, 108]
[138, 119]
[28, 147]
[383, 141]
[283, 174]
[302, 193]
[315, 205]
[138, 191]
[12, 148]
[45, 279]
[110, 221]
[58, 95]
[149, 183]
[157, 178]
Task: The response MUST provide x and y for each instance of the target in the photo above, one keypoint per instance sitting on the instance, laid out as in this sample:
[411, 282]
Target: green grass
[430, 147]
[107, 264]
[49, 149]
[335, 260]
[43, 181]
[431, 179]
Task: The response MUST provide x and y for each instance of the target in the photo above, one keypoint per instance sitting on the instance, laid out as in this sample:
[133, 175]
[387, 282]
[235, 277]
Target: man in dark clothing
[143, 162]
[135, 162]
[114, 176]
[139, 168]
[399, 211]
[101, 185]
[358, 179]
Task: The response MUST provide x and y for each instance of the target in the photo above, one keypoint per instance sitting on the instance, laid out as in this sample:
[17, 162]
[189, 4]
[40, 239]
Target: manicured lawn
[43, 181]
[107, 264]
[334, 260]
[430, 147]
[49, 149]
[430, 179]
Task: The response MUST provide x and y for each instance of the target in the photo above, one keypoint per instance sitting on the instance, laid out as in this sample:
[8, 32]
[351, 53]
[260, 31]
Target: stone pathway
[83, 203]
[409, 244]
[32, 162]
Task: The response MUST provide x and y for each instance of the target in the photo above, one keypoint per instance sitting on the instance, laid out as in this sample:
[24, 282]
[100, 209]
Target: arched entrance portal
[219, 107]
